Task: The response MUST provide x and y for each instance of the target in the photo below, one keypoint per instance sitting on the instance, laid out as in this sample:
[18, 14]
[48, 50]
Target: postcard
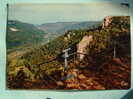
[68, 46]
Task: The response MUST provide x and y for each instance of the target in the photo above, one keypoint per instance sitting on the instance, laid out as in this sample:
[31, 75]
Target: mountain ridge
[61, 27]
[21, 33]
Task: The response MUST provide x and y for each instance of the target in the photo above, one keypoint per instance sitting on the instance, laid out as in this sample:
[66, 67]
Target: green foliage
[25, 34]
[103, 40]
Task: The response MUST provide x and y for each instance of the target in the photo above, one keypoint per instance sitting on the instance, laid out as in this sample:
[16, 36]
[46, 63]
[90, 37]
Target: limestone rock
[107, 21]
[82, 46]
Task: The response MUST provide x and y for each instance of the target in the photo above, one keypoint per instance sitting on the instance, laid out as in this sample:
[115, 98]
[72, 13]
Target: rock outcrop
[82, 46]
[107, 21]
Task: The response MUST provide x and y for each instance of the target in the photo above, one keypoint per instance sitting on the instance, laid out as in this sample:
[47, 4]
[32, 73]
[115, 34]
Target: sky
[50, 13]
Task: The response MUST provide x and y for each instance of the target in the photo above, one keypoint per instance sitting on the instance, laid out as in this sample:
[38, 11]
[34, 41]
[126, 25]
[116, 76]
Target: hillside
[20, 34]
[106, 64]
[60, 28]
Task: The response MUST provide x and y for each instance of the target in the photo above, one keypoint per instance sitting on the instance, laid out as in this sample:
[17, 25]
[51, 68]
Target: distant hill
[61, 27]
[20, 33]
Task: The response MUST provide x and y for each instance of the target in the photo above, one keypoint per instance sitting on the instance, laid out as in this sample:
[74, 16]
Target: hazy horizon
[58, 22]
[52, 13]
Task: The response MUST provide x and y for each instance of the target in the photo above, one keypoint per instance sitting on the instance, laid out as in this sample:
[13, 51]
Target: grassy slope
[26, 34]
